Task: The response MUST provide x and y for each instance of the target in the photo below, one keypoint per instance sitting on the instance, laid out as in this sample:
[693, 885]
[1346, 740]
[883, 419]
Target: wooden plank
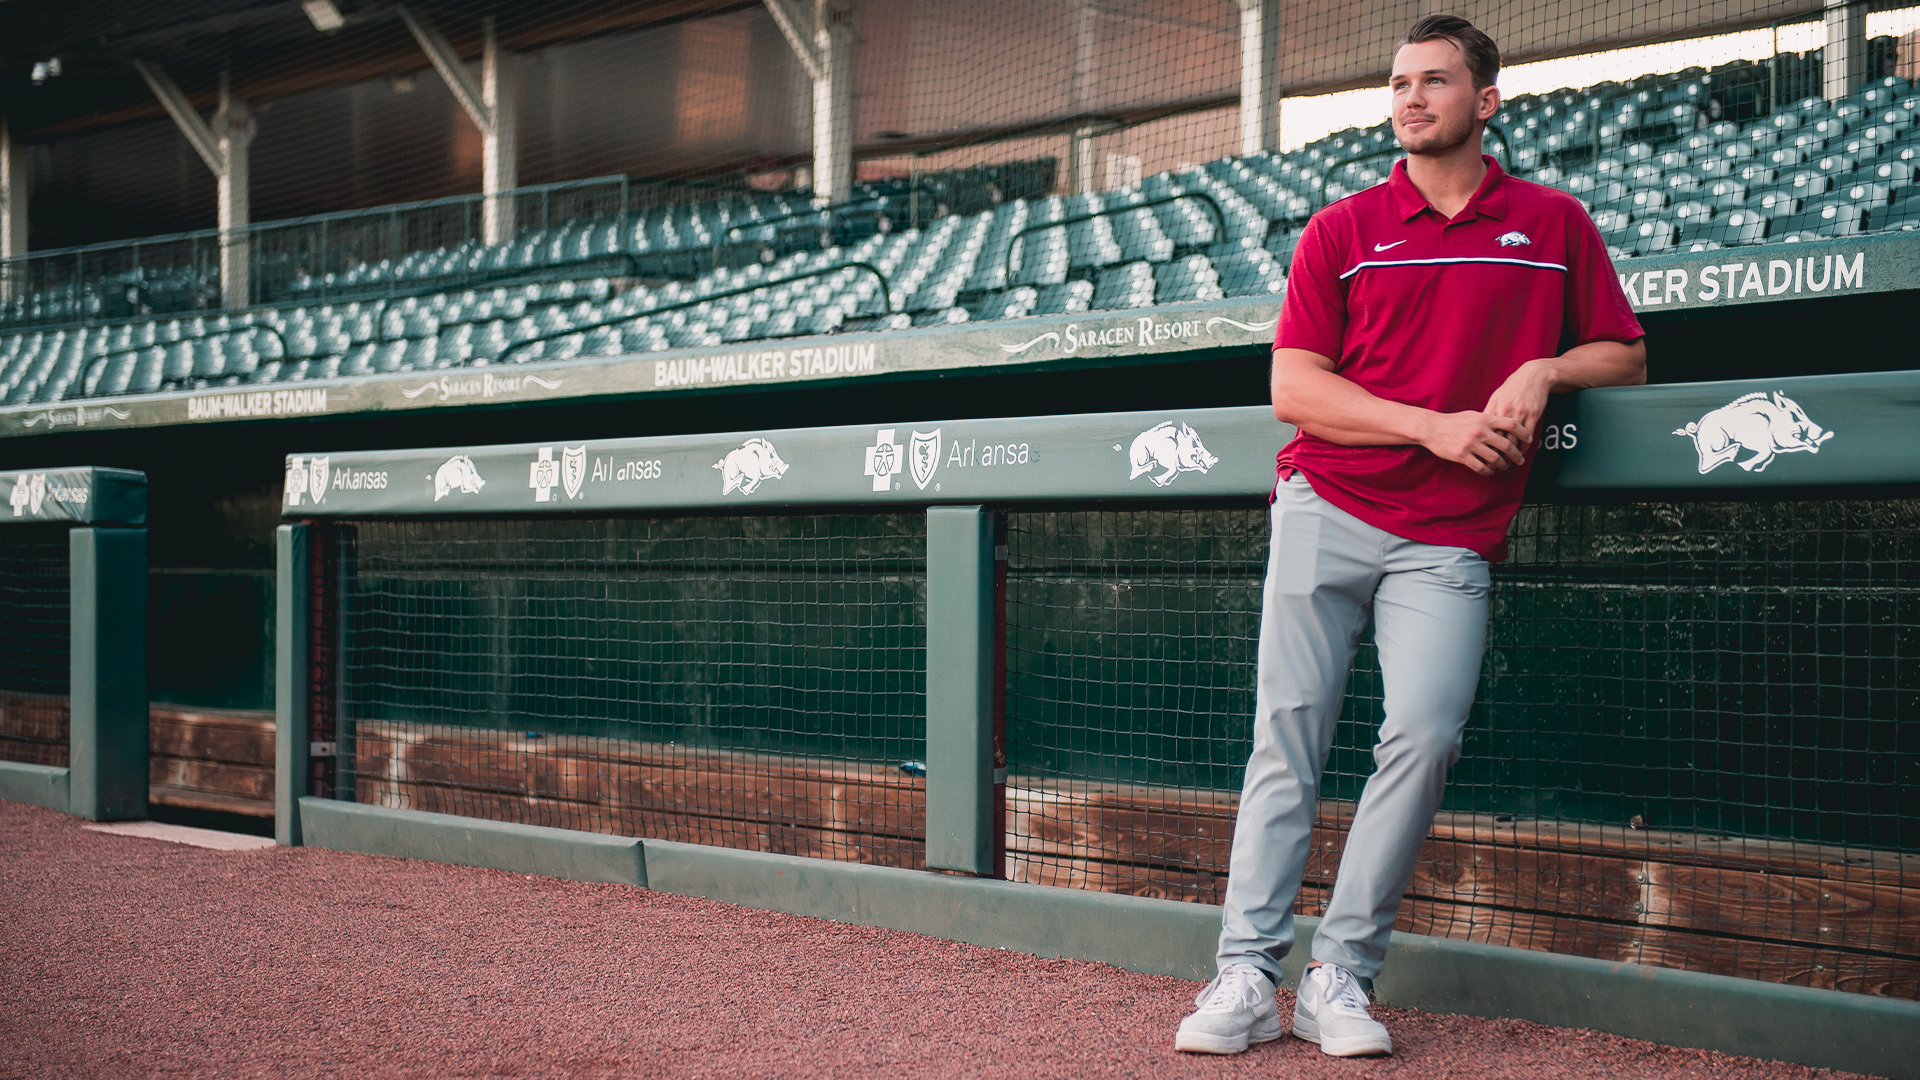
[779, 837]
[167, 795]
[33, 728]
[1159, 883]
[1821, 911]
[1796, 965]
[790, 792]
[1816, 911]
[213, 777]
[241, 738]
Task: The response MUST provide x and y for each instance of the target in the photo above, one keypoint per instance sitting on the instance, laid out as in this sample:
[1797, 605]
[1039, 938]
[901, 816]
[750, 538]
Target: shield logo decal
[37, 491]
[296, 480]
[573, 468]
[923, 456]
[317, 478]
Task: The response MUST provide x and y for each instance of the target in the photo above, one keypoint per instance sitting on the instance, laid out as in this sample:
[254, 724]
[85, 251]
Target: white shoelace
[1342, 990]
[1231, 989]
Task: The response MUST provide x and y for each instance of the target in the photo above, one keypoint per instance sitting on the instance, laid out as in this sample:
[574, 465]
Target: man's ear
[1489, 102]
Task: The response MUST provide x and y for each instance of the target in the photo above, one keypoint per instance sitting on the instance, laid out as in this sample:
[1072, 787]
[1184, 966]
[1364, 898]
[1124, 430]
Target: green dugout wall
[1727, 566]
[95, 518]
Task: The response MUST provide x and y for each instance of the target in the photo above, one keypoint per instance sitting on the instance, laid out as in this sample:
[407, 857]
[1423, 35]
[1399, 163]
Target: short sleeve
[1314, 315]
[1596, 307]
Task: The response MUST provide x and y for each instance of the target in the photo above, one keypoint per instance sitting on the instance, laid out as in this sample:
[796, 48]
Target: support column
[225, 147]
[1081, 168]
[490, 105]
[822, 39]
[233, 129]
[961, 634]
[1259, 76]
[13, 194]
[108, 674]
[291, 761]
[500, 145]
[1845, 55]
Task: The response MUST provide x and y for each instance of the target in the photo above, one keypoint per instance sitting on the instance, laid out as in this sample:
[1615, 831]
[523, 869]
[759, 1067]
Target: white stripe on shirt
[1437, 262]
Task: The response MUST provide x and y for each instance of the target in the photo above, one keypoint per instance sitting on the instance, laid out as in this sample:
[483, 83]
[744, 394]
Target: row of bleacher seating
[1653, 171]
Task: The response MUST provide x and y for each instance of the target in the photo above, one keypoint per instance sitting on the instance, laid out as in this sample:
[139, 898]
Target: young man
[1426, 321]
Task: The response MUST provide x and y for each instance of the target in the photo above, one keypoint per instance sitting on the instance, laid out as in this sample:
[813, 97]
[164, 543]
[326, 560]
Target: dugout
[1692, 719]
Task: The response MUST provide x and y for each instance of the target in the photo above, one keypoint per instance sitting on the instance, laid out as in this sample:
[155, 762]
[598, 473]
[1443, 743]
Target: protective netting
[34, 662]
[743, 682]
[1692, 744]
[666, 182]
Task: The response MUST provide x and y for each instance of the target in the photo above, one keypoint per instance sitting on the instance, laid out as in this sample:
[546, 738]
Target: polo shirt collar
[1489, 200]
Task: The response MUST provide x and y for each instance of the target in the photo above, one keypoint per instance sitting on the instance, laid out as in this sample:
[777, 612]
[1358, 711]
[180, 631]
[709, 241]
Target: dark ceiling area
[270, 48]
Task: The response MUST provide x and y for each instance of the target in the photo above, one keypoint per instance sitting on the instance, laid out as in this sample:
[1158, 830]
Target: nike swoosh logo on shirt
[1383, 247]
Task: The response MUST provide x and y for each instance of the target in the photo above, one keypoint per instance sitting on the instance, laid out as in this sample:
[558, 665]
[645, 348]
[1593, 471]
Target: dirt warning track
[122, 956]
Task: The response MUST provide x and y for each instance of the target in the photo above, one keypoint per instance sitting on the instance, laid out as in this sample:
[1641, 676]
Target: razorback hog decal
[748, 464]
[1174, 449]
[457, 474]
[1767, 424]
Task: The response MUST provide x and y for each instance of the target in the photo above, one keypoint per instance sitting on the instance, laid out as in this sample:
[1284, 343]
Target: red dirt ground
[128, 957]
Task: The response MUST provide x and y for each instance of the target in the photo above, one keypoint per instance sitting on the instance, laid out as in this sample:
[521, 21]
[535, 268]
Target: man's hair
[1482, 55]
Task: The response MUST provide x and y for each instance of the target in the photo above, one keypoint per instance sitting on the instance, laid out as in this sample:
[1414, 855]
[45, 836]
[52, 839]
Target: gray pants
[1327, 571]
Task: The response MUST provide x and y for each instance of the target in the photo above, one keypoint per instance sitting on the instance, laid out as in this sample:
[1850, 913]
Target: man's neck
[1448, 180]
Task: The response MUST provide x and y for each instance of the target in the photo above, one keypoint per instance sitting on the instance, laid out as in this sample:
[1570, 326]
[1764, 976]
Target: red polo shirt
[1437, 313]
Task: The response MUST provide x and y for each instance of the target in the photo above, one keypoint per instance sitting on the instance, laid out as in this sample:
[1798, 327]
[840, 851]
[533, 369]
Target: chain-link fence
[34, 663]
[744, 682]
[1691, 747]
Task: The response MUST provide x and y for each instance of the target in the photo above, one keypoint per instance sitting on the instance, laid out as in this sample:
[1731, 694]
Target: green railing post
[108, 691]
[290, 749]
[960, 681]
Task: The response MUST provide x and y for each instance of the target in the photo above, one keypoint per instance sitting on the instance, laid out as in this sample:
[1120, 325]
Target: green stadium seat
[1653, 235]
[1187, 279]
[358, 359]
[1779, 203]
[1069, 297]
[391, 355]
[1041, 257]
[1613, 225]
[1010, 304]
[1870, 194]
[1127, 286]
[149, 369]
[1807, 183]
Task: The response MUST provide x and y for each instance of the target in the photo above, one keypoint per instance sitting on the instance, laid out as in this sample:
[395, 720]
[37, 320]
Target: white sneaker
[1331, 1009]
[1236, 1008]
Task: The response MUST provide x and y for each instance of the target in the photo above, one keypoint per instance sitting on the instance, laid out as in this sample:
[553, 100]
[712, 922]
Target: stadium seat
[1187, 279]
[1740, 227]
[1807, 183]
[1871, 195]
[1070, 297]
[1613, 224]
[1646, 202]
[1655, 235]
[1010, 304]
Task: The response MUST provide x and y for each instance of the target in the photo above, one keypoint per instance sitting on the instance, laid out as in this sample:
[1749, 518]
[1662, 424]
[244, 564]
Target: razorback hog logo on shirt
[1516, 238]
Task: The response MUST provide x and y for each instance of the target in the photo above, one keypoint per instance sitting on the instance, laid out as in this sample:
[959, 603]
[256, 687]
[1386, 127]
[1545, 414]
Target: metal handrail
[1219, 217]
[851, 204]
[886, 294]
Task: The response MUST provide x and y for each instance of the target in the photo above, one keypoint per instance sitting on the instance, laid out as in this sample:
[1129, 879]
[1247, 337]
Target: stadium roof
[271, 47]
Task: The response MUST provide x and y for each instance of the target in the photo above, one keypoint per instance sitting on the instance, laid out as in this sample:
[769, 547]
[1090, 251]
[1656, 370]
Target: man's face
[1434, 102]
